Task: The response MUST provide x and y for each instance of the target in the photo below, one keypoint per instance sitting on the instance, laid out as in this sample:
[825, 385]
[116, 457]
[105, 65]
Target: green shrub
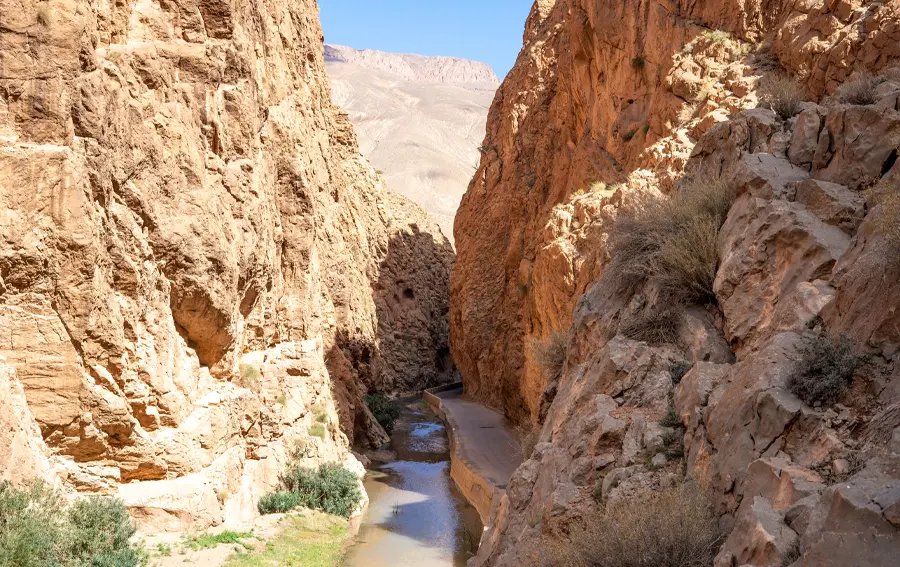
[645, 128]
[278, 502]
[385, 411]
[630, 134]
[99, 533]
[782, 93]
[638, 62]
[332, 488]
[550, 355]
[672, 242]
[825, 369]
[31, 525]
[204, 541]
[678, 369]
[653, 327]
[249, 376]
[675, 527]
[860, 89]
[317, 430]
[717, 36]
[36, 529]
[670, 419]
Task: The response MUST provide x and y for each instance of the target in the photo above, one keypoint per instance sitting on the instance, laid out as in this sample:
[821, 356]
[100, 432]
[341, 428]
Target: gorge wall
[613, 104]
[199, 273]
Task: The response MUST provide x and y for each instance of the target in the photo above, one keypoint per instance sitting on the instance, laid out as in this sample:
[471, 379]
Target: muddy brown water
[416, 516]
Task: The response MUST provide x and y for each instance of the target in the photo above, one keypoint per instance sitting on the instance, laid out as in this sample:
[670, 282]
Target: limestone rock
[195, 258]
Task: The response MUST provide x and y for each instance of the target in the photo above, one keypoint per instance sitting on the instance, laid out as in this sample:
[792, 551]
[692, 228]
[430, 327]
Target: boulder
[856, 145]
[834, 204]
[768, 248]
[760, 538]
[854, 521]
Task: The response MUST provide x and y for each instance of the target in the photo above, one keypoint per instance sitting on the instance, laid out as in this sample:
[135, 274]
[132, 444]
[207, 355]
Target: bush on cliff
[860, 89]
[825, 369]
[672, 242]
[37, 528]
[550, 355]
[675, 527]
[385, 411]
[331, 488]
[782, 93]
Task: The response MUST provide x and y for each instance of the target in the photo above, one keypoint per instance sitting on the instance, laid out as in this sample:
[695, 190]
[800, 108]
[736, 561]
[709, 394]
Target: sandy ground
[263, 528]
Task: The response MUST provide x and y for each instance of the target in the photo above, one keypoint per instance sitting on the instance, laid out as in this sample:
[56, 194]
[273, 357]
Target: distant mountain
[416, 68]
[419, 119]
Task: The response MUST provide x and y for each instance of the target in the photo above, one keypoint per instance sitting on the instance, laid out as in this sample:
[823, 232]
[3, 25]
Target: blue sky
[483, 30]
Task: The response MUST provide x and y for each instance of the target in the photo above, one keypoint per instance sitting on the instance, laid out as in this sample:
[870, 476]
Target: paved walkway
[484, 438]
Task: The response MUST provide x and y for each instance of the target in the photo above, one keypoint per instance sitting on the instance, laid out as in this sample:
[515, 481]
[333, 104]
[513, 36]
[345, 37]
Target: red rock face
[804, 248]
[611, 91]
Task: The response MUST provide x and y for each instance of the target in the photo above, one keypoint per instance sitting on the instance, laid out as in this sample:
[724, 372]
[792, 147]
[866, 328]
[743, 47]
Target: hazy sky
[483, 30]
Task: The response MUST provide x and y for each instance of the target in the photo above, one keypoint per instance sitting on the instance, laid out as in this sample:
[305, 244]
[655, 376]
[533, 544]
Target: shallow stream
[416, 516]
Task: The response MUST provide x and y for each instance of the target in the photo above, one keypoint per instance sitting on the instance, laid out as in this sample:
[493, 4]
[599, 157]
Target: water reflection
[416, 515]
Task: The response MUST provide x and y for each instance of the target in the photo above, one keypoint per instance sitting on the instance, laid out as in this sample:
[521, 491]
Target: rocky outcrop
[609, 91]
[198, 270]
[803, 251]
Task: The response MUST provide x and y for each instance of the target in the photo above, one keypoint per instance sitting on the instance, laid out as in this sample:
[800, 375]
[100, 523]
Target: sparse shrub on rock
[825, 369]
[672, 242]
[675, 527]
[385, 411]
[782, 93]
[653, 327]
[550, 355]
[859, 89]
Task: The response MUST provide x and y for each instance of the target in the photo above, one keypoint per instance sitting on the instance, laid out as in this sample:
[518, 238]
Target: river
[416, 516]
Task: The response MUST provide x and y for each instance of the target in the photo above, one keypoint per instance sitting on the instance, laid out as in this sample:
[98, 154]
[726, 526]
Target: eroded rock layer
[197, 268]
[612, 104]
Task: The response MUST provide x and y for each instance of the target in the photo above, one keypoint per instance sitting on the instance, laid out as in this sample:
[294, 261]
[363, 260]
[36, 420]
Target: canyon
[201, 276]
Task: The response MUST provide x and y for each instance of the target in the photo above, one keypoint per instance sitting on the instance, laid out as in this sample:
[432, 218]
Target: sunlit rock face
[197, 265]
[611, 104]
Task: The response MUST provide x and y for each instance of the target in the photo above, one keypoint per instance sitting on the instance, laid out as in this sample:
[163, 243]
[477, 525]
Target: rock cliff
[198, 271]
[615, 105]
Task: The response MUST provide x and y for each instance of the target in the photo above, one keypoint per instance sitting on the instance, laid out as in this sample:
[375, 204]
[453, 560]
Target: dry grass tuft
[550, 355]
[672, 528]
[653, 327]
[782, 93]
[859, 89]
[672, 242]
[825, 369]
[886, 194]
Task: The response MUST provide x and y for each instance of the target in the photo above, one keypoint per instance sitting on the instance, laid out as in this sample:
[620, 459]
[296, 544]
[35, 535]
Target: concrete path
[484, 436]
[484, 448]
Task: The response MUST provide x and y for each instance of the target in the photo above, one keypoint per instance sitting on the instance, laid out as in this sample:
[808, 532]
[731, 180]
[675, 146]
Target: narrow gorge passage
[416, 514]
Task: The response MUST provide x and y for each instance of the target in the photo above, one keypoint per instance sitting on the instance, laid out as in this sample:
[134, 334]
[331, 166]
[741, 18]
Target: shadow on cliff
[411, 346]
